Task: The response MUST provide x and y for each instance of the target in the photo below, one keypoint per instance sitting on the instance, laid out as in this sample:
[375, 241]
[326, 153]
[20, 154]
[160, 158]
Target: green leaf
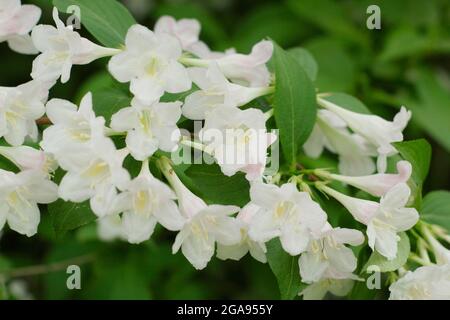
[386, 265]
[348, 102]
[212, 185]
[306, 61]
[436, 208]
[69, 216]
[106, 20]
[108, 101]
[295, 103]
[285, 268]
[418, 153]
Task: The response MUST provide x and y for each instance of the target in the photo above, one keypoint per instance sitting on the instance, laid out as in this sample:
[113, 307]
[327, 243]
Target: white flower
[60, 48]
[19, 195]
[187, 31]
[16, 22]
[98, 179]
[110, 228]
[238, 140]
[384, 220]
[27, 158]
[149, 127]
[318, 290]
[20, 107]
[249, 69]
[256, 249]
[286, 213]
[425, 283]
[216, 92]
[205, 224]
[378, 184]
[353, 150]
[69, 137]
[327, 256]
[150, 63]
[378, 131]
[144, 202]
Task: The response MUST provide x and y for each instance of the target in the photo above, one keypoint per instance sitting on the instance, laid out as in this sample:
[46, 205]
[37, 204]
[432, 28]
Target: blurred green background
[405, 63]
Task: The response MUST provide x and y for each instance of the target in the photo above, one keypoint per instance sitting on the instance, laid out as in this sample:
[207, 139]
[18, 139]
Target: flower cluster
[217, 88]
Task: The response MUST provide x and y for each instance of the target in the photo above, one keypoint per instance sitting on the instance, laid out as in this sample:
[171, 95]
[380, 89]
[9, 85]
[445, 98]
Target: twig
[43, 121]
[46, 268]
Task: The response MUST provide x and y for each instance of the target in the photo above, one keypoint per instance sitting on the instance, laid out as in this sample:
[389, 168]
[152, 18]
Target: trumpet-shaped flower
[379, 132]
[149, 127]
[247, 70]
[150, 63]
[27, 158]
[60, 48]
[441, 253]
[353, 150]
[327, 256]
[238, 140]
[16, 22]
[20, 107]
[256, 249]
[377, 184]
[146, 201]
[216, 92]
[425, 283]
[19, 195]
[205, 224]
[187, 31]
[69, 137]
[98, 179]
[286, 213]
[384, 220]
[110, 228]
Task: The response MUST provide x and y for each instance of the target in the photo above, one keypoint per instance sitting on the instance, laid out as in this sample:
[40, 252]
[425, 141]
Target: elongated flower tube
[60, 48]
[216, 92]
[378, 184]
[380, 132]
[248, 70]
[384, 220]
[205, 225]
[441, 253]
[28, 158]
[355, 153]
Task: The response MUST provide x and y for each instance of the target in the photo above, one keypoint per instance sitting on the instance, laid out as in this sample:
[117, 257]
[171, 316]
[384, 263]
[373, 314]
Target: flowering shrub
[246, 121]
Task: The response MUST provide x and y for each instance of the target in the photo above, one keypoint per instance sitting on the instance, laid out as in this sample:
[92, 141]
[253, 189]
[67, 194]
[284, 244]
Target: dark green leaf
[295, 103]
[106, 20]
[306, 60]
[285, 268]
[436, 208]
[212, 185]
[109, 100]
[69, 216]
